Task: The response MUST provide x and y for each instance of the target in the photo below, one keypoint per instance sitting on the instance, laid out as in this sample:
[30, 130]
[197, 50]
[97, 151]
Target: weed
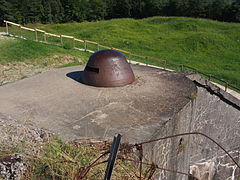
[193, 96]
[61, 160]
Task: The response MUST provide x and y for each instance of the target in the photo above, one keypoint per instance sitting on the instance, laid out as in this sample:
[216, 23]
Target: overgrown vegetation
[61, 160]
[209, 46]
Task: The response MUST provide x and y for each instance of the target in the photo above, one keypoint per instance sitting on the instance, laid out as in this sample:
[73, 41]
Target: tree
[98, 10]
[122, 9]
[235, 12]
[138, 9]
[56, 11]
[59, 11]
[196, 8]
[219, 9]
[156, 7]
[7, 10]
[110, 8]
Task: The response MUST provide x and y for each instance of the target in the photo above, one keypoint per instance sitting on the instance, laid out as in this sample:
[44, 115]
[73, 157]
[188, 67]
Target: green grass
[68, 65]
[56, 159]
[18, 50]
[210, 46]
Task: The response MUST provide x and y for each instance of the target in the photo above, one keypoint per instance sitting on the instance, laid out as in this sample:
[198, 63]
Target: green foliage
[63, 161]
[62, 11]
[193, 96]
[60, 160]
[210, 46]
[75, 63]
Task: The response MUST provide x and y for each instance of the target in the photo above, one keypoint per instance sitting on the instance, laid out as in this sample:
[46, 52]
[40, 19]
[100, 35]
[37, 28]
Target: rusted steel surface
[107, 68]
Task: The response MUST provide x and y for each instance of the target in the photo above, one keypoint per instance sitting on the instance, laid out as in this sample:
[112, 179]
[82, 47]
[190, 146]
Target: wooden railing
[16, 30]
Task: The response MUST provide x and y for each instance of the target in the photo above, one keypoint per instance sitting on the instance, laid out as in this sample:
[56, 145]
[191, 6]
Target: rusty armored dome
[107, 68]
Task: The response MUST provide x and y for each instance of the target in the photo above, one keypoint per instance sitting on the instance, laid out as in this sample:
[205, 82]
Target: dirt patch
[12, 72]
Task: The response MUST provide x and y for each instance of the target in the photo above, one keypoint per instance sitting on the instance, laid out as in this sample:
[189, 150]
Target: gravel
[12, 167]
[17, 137]
[13, 133]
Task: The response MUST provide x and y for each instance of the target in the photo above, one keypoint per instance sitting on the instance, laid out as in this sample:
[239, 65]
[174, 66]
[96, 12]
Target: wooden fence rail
[86, 42]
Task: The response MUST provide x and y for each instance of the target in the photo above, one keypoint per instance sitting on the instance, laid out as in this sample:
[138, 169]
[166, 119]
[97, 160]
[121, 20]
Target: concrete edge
[229, 94]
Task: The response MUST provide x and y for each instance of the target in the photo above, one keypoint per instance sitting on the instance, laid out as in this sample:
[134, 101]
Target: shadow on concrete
[76, 76]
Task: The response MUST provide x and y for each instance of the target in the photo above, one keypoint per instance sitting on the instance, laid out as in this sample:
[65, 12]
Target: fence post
[85, 45]
[36, 35]
[45, 37]
[181, 67]
[112, 156]
[226, 86]
[6, 27]
[98, 47]
[20, 27]
[61, 40]
[73, 43]
[210, 77]
[146, 61]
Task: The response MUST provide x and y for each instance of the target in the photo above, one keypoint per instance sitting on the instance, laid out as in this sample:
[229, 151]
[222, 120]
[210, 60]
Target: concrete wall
[214, 113]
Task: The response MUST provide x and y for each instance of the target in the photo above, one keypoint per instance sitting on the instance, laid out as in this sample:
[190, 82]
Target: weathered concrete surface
[217, 114]
[141, 111]
[56, 102]
[213, 112]
[217, 168]
[158, 104]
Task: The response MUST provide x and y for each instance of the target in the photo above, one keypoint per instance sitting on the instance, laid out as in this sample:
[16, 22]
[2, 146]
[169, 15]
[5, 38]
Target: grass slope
[210, 46]
[19, 50]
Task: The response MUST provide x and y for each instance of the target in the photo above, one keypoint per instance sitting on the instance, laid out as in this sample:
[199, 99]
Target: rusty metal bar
[112, 156]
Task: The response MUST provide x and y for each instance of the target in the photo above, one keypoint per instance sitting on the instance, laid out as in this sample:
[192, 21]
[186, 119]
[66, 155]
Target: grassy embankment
[210, 46]
[30, 52]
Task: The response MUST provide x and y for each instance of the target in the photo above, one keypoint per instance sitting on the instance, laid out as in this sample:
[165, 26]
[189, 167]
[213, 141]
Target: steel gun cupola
[107, 68]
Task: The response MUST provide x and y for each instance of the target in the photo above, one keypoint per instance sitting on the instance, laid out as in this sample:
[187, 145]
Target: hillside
[210, 46]
[18, 50]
